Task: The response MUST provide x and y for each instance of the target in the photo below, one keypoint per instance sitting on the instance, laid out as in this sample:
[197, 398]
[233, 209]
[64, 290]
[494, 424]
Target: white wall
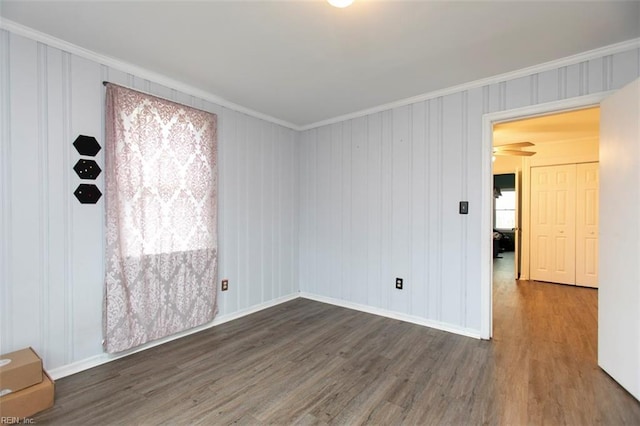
[379, 195]
[505, 164]
[550, 153]
[52, 246]
[337, 212]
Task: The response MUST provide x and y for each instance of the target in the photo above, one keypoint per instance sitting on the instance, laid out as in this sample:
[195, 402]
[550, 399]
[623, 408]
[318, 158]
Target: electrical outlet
[399, 283]
[225, 285]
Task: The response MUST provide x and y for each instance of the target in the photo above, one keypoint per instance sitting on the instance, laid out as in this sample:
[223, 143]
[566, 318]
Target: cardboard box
[16, 406]
[19, 370]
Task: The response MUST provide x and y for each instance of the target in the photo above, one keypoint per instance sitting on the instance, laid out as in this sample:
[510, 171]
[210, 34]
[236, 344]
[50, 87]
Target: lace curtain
[161, 200]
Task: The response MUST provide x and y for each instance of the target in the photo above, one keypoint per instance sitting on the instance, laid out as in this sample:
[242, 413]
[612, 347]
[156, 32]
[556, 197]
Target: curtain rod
[104, 83]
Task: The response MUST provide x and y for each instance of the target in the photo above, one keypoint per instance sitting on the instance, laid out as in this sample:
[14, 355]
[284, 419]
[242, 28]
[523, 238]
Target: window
[161, 251]
[164, 159]
[505, 210]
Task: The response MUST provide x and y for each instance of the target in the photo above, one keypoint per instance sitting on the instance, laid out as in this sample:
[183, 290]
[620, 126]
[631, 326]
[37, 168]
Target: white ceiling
[305, 61]
[571, 126]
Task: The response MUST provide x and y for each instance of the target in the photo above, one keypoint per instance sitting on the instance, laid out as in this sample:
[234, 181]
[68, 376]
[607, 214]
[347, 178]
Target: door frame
[517, 235]
[486, 212]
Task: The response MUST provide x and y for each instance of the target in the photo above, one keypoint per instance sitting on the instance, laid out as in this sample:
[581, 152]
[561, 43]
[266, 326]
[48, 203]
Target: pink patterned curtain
[161, 198]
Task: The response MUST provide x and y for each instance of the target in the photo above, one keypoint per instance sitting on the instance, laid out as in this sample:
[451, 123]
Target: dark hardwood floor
[306, 362]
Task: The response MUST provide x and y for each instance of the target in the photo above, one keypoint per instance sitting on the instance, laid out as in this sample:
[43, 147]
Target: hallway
[549, 332]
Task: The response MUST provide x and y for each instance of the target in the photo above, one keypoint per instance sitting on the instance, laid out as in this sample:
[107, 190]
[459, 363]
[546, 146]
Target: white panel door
[553, 210]
[587, 224]
[541, 225]
[619, 252]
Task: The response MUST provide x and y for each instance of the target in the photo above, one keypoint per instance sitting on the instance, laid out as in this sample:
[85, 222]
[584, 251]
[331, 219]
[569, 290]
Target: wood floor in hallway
[306, 362]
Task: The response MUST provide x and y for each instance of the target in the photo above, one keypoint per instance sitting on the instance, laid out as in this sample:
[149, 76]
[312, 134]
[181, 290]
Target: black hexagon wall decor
[87, 169]
[87, 145]
[87, 193]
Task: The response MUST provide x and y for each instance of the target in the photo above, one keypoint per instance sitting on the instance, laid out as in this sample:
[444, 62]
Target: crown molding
[49, 40]
[535, 69]
[143, 73]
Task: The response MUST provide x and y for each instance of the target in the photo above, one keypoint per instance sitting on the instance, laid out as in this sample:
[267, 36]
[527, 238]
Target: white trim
[24, 31]
[488, 120]
[394, 315]
[143, 73]
[486, 230]
[94, 361]
[546, 66]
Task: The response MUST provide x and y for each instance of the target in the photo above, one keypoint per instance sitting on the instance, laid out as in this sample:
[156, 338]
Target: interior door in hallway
[587, 224]
[517, 231]
[553, 215]
[618, 270]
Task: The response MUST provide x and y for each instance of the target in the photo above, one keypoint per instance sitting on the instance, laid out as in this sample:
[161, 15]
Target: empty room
[285, 212]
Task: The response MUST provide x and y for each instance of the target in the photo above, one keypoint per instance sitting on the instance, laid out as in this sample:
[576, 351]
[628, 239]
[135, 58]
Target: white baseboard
[395, 315]
[96, 360]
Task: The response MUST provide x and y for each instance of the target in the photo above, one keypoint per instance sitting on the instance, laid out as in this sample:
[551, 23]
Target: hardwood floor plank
[309, 363]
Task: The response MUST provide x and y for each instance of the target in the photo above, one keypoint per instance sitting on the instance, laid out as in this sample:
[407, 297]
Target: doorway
[554, 158]
[489, 121]
[506, 219]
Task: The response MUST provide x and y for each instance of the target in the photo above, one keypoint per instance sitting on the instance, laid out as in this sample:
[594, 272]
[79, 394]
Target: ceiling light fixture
[340, 3]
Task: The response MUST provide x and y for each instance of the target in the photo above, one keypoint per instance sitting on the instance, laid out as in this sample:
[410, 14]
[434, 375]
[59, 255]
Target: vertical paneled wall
[52, 266]
[339, 211]
[379, 195]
